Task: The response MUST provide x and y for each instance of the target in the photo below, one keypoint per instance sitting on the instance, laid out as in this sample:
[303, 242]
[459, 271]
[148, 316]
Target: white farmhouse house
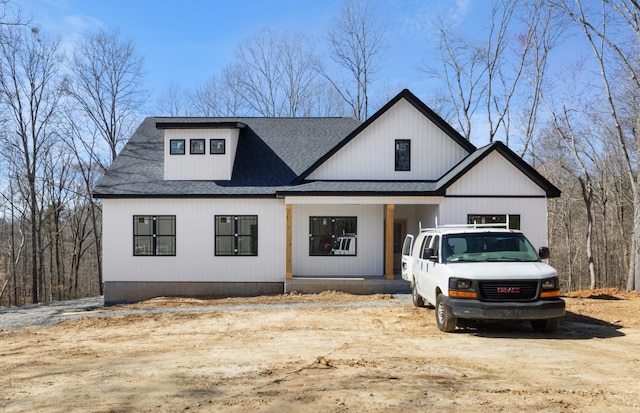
[246, 206]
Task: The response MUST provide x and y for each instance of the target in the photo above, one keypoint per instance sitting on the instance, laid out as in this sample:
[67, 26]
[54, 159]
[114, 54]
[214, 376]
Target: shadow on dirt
[571, 327]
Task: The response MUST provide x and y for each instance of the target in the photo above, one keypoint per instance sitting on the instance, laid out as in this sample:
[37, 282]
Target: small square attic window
[216, 146]
[197, 146]
[176, 146]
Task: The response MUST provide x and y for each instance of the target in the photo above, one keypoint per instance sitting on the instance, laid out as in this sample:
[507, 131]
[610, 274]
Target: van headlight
[462, 288]
[550, 287]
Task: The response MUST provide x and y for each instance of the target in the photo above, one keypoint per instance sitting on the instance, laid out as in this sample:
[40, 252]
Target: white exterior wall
[200, 167]
[495, 175]
[195, 259]
[370, 252]
[371, 155]
[532, 211]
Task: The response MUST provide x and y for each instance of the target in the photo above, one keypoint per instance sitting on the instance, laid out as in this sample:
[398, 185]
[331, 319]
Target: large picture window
[333, 235]
[236, 235]
[154, 235]
[514, 220]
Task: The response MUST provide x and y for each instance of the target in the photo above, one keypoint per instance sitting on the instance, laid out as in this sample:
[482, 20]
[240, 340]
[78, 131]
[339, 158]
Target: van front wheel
[544, 326]
[445, 322]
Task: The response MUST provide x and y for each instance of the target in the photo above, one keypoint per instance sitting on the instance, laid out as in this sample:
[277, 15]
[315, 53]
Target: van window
[408, 243]
[436, 245]
[425, 245]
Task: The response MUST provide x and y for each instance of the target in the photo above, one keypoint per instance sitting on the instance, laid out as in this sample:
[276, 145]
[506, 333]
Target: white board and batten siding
[496, 187]
[205, 166]
[195, 259]
[371, 154]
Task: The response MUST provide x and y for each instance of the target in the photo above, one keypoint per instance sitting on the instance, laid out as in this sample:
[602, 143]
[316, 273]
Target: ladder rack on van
[500, 225]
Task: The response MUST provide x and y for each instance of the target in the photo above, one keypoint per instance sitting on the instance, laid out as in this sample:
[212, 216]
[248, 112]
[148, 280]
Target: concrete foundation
[131, 292]
[366, 285]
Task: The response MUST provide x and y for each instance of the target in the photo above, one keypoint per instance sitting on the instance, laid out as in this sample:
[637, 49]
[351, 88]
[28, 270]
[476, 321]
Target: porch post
[288, 272]
[388, 241]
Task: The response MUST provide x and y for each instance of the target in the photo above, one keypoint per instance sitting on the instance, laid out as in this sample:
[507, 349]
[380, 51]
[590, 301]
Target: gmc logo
[509, 290]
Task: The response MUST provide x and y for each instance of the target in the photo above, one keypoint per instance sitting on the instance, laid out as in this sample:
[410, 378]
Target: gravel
[54, 312]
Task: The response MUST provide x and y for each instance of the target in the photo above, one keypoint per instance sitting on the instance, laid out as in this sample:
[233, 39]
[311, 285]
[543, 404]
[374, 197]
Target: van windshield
[487, 246]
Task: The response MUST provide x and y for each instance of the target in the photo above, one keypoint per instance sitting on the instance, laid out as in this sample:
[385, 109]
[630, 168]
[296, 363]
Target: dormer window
[197, 146]
[403, 155]
[216, 146]
[177, 146]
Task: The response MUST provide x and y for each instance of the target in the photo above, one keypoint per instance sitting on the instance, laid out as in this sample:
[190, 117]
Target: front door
[399, 233]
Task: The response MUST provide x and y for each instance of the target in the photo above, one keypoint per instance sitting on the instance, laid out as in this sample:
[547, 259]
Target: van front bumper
[506, 310]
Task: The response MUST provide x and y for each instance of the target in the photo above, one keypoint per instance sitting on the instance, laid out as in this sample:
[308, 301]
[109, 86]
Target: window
[176, 146]
[514, 220]
[236, 235]
[403, 155]
[333, 235]
[154, 235]
[197, 146]
[216, 146]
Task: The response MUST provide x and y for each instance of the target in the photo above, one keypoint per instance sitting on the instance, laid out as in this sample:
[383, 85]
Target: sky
[184, 43]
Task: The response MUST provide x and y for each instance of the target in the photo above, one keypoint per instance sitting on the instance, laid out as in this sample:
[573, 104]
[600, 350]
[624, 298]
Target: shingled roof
[276, 155]
[271, 154]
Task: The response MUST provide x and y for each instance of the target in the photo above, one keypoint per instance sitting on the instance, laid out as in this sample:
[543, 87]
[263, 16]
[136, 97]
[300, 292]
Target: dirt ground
[359, 358]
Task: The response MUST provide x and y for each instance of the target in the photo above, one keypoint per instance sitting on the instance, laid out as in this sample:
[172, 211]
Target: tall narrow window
[333, 235]
[236, 235]
[403, 155]
[154, 235]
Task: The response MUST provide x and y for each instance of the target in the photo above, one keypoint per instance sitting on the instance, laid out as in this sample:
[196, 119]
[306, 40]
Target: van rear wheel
[418, 301]
[444, 320]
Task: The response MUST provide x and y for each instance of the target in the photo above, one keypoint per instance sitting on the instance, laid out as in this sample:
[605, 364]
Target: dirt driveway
[328, 358]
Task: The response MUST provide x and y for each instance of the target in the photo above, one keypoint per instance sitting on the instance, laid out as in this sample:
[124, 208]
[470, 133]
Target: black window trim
[224, 146]
[514, 219]
[398, 165]
[192, 141]
[154, 235]
[334, 236]
[171, 152]
[235, 236]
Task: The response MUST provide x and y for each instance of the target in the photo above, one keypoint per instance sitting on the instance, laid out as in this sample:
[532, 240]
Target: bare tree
[356, 41]
[107, 77]
[30, 92]
[274, 75]
[462, 68]
[175, 101]
[613, 32]
[491, 73]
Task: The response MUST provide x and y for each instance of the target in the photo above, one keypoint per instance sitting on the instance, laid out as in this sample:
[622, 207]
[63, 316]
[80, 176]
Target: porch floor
[352, 285]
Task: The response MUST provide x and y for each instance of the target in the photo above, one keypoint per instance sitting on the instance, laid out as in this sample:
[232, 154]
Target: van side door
[420, 262]
[430, 279]
[407, 258]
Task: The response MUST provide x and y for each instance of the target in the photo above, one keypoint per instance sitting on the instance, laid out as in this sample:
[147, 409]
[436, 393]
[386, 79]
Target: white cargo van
[481, 272]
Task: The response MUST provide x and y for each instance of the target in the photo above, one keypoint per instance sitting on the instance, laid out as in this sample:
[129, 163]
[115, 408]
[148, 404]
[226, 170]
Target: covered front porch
[374, 265]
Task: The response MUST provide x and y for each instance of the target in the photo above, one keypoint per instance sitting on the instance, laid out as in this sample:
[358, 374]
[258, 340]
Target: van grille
[508, 290]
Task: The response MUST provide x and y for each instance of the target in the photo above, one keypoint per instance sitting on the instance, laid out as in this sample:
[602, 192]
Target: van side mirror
[427, 253]
[543, 252]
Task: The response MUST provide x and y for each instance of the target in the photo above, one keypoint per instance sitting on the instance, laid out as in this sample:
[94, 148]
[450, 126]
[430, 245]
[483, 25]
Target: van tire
[445, 322]
[417, 299]
[544, 326]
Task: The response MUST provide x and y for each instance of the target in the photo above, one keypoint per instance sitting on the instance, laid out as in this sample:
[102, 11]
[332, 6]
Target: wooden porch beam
[388, 241]
[288, 272]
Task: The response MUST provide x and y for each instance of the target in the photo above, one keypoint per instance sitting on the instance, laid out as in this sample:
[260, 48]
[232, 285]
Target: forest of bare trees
[66, 114]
